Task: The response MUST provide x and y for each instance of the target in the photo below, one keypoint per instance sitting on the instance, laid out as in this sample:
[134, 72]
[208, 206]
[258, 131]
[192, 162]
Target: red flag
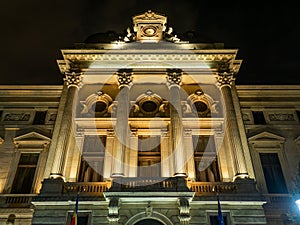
[74, 217]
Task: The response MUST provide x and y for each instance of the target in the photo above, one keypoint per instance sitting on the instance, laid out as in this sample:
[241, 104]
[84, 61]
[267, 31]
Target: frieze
[149, 57]
[281, 117]
[16, 117]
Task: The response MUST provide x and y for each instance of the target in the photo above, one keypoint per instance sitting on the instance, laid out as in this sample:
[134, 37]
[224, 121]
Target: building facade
[149, 129]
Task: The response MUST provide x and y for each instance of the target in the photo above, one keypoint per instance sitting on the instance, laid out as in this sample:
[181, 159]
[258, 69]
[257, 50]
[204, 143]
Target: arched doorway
[149, 222]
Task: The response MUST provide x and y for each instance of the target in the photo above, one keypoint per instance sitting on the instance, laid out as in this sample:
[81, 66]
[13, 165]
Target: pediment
[32, 137]
[266, 136]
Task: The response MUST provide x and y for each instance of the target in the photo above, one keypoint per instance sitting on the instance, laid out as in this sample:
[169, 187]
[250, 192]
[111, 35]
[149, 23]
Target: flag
[75, 212]
[220, 216]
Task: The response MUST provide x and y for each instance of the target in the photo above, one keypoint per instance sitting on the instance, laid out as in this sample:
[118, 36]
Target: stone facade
[149, 129]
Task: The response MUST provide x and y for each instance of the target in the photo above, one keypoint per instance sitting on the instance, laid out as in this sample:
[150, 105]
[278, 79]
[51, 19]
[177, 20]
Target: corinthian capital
[73, 79]
[174, 77]
[225, 79]
[124, 77]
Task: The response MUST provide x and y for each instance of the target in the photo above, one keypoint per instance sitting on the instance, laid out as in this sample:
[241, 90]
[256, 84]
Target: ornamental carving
[113, 211]
[73, 79]
[225, 79]
[281, 117]
[17, 117]
[184, 210]
[174, 76]
[124, 77]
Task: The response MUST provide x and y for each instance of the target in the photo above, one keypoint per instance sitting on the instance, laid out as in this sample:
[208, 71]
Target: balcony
[16, 200]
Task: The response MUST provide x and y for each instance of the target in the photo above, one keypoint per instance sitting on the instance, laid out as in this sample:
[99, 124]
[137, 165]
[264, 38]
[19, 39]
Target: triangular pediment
[32, 136]
[266, 136]
[297, 140]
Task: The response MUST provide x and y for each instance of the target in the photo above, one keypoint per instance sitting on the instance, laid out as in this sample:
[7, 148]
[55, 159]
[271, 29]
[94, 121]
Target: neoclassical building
[149, 129]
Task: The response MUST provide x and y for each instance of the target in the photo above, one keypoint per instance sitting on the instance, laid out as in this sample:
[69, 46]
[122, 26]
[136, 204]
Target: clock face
[149, 31]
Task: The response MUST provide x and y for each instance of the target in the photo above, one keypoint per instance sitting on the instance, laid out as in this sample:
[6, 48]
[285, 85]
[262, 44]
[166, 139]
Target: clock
[149, 31]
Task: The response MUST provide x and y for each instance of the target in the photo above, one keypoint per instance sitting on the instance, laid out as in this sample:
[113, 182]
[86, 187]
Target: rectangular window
[92, 159]
[258, 117]
[149, 156]
[273, 173]
[83, 218]
[24, 177]
[39, 117]
[213, 220]
[206, 164]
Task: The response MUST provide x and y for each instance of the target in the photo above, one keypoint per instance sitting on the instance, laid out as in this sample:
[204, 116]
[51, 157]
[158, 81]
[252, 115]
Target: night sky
[34, 31]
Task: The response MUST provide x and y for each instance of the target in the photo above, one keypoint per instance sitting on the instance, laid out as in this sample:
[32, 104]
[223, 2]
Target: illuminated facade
[148, 129]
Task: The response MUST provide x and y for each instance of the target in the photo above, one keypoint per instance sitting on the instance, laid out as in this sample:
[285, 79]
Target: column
[166, 166]
[173, 82]
[133, 154]
[109, 154]
[225, 80]
[121, 127]
[188, 139]
[73, 81]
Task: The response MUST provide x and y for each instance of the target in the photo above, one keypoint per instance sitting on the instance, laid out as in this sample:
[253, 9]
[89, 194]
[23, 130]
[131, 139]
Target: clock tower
[149, 26]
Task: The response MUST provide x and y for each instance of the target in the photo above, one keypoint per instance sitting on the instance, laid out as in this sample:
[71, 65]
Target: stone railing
[16, 200]
[208, 188]
[86, 188]
[278, 198]
[154, 184]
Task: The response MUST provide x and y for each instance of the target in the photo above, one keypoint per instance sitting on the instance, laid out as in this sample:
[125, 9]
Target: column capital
[174, 77]
[73, 79]
[124, 77]
[225, 79]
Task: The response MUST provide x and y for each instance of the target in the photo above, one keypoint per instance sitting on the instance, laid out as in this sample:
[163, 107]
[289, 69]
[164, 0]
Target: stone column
[122, 128]
[225, 80]
[109, 154]
[73, 81]
[133, 154]
[174, 81]
[188, 139]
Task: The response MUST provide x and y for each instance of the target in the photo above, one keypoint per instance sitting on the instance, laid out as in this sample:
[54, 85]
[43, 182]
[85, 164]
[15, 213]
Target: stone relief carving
[281, 117]
[16, 117]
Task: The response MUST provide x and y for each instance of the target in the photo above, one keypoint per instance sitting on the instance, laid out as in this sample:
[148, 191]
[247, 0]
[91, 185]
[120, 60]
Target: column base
[241, 176]
[116, 175]
[180, 175]
[57, 176]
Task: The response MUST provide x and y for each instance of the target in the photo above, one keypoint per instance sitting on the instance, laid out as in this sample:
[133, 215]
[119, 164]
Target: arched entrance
[149, 222]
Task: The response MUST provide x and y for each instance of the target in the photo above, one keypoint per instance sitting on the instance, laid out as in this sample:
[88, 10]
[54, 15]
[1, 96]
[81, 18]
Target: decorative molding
[113, 211]
[73, 79]
[184, 211]
[99, 96]
[266, 137]
[225, 79]
[124, 77]
[31, 138]
[24, 116]
[174, 77]
[149, 210]
[281, 117]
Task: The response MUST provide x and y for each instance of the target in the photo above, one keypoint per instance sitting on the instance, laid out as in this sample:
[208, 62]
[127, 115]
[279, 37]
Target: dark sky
[34, 31]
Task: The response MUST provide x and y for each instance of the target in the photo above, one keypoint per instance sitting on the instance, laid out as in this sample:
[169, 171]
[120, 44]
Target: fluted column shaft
[73, 82]
[173, 81]
[225, 80]
[121, 128]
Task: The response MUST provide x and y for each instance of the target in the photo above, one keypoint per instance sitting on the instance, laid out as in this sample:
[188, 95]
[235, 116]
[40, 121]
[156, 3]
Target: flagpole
[220, 215]
[75, 211]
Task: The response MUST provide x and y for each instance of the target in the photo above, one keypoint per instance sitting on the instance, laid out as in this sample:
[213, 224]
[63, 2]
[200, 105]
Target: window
[149, 156]
[258, 117]
[273, 173]
[92, 159]
[206, 165]
[39, 117]
[83, 218]
[24, 177]
[213, 220]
